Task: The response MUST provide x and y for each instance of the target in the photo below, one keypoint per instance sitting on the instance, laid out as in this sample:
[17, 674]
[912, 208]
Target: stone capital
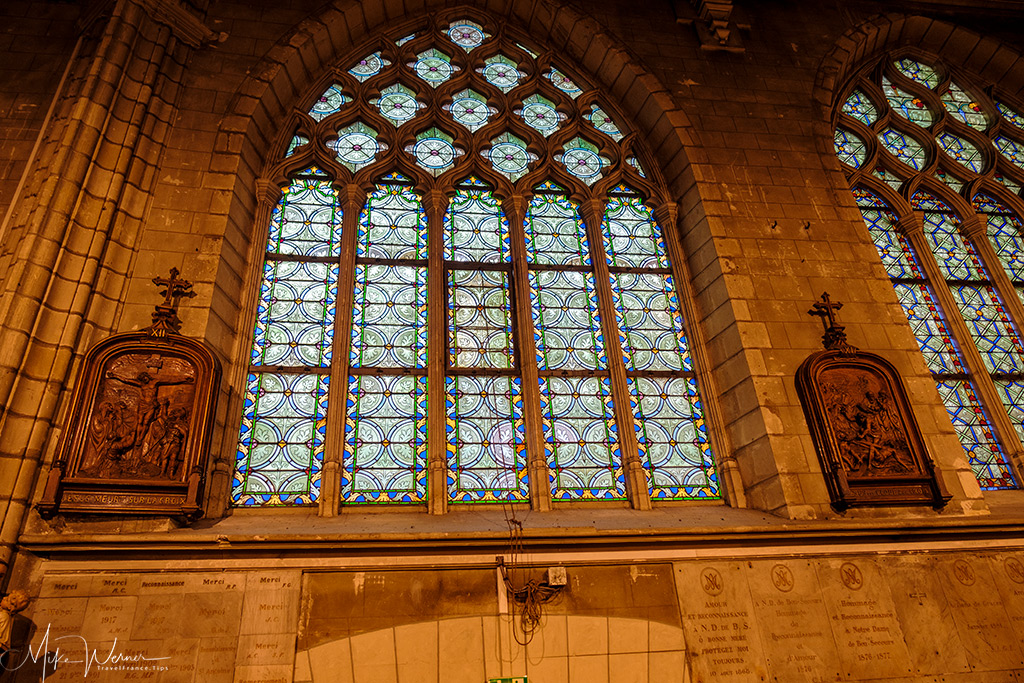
[185, 26]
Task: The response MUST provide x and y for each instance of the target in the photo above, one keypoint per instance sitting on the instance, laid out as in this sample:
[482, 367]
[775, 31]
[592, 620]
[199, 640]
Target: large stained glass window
[490, 341]
[933, 126]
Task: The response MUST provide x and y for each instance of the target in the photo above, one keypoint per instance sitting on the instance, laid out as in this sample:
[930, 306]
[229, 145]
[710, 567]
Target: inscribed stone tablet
[795, 631]
[978, 612]
[107, 618]
[863, 618]
[718, 620]
[923, 609]
[1008, 572]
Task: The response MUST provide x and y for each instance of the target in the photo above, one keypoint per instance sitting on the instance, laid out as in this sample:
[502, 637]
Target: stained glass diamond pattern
[1010, 149]
[581, 159]
[434, 67]
[903, 147]
[964, 107]
[916, 71]
[470, 109]
[467, 34]
[509, 156]
[369, 66]
[563, 83]
[397, 104]
[849, 148]
[330, 102]
[501, 72]
[539, 113]
[858, 106]
[911, 108]
[434, 150]
[356, 146]
[600, 120]
[962, 151]
[1010, 114]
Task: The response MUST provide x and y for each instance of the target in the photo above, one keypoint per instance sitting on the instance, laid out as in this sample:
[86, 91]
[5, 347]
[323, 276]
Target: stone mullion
[637, 488]
[436, 203]
[337, 404]
[913, 229]
[731, 479]
[537, 466]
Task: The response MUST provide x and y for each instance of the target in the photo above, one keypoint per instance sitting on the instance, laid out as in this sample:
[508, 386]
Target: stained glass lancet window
[942, 130]
[280, 449]
[443, 293]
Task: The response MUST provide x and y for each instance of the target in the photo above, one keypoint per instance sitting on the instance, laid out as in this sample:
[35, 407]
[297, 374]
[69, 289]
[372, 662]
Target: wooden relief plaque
[863, 428]
[137, 436]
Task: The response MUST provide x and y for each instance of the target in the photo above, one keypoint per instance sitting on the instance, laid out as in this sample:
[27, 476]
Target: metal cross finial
[174, 289]
[826, 310]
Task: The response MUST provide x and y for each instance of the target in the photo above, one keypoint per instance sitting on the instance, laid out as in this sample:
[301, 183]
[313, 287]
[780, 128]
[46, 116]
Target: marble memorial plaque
[719, 623]
[61, 616]
[109, 618]
[795, 632]
[266, 649]
[216, 660]
[864, 622]
[158, 616]
[213, 583]
[115, 584]
[1008, 572]
[212, 615]
[65, 586]
[932, 639]
[977, 609]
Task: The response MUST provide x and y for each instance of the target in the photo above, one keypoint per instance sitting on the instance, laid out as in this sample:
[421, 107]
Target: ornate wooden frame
[137, 435]
[863, 427]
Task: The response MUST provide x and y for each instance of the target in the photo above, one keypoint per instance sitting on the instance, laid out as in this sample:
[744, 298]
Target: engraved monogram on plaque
[137, 436]
[865, 433]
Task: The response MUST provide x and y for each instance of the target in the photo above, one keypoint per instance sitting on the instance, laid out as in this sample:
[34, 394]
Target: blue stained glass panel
[650, 326]
[990, 327]
[581, 158]
[898, 259]
[479, 319]
[956, 256]
[470, 109]
[903, 147]
[566, 321]
[1004, 232]
[434, 150]
[330, 102]
[581, 439]
[397, 104]
[389, 323]
[929, 328]
[486, 439]
[539, 113]
[434, 67]
[356, 146]
[385, 459]
[393, 225]
[849, 148]
[635, 163]
[632, 238]
[673, 438]
[369, 66]
[281, 442]
[509, 156]
[1010, 115]
[860, 107]
[949, 179]
[600, 120]
[501, 72]
[307, 220]
[1010, 149]
[996, 473]
[475, 227]
[964, 107]
[295, 314]
[962, 151]
[467, 34]
[296, 142]
[972, 426]
[888, 177]
[555, 233]
[917, 71]
[911, 108]
[563, 83]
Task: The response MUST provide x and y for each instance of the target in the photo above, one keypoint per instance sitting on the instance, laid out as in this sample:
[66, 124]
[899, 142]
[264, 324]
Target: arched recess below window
[936, 166]
[466, 296]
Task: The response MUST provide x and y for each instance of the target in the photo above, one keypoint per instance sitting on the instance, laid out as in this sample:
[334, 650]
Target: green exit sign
[514, 679]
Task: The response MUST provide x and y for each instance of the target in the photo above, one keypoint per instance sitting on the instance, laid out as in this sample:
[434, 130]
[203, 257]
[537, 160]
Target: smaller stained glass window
[467, 34]
[604, 123]
[296, 142]
[1009, 183]
[329, 103]
[949, 179]
[887, 176]
[402, 41]
[369, 66]
[860, 107]
[903, 147]
[849, 148]
[397, 104]
[911, 108]
[962, 151]
[434, 67]
[356, 146]
[1010, 114]
[635, 163]
[540, 114]
[964, 107]
[916, 71]
[581, 158]
[509, 156]
[434, 150]
[501, 72]
[1010, 149]
[470, 109]
[563, 83]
